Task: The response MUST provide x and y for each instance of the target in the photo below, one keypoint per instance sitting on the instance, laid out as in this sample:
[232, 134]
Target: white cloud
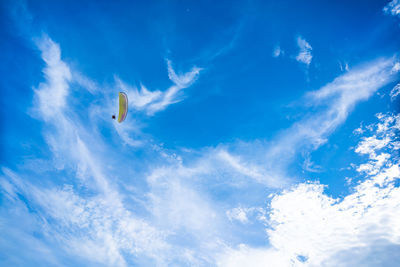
[96, 227]
[245, 215]
[239, 214]
[304, 55]
[336, 100]
[267, 163]
[392, 8]
[52, 94]
[395, 92]
[138, 99]
[96, 220]
[385, 137]
[91, 221]
[183, 80]
[238, 165]
[309, 165]
[176, 187]
[255, 257]
[309, 228]
[155, 101]
[180, 82]
[85, 82]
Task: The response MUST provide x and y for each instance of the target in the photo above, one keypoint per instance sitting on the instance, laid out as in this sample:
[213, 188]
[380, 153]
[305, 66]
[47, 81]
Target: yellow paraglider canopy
[123, 106]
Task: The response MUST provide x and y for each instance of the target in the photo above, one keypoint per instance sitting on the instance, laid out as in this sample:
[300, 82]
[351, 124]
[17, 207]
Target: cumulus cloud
[310, 228]
[305, 49]
[392, 8]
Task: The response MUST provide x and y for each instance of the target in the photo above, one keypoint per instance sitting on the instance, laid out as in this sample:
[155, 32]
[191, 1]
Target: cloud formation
[183, 221]
[332, 103]
[152, 102]
[97, 228]
[52, 94]
[392, 8]
[309, 228]
[305, 49]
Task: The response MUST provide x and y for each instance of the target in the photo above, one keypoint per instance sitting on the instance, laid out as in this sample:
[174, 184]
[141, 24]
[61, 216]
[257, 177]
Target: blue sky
[259, 133]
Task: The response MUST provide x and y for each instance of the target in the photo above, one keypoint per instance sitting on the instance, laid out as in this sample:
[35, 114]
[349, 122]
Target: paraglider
[123, 107]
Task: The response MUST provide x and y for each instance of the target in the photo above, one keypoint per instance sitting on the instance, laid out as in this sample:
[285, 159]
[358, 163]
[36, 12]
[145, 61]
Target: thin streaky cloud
[152, 102]
[336, 100]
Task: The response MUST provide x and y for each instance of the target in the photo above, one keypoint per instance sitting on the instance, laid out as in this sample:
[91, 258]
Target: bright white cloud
[310, 228]
[392, 8]
[305, 49]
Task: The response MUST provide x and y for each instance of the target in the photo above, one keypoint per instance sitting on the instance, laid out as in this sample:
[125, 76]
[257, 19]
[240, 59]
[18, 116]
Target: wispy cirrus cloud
[242, 164]
[152, 102]
[94, 216]
[80, 225]
[181, 81]
[332, 103]
[268, 162]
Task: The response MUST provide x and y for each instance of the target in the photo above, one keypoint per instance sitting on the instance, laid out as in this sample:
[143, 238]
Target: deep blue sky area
[251, 126]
